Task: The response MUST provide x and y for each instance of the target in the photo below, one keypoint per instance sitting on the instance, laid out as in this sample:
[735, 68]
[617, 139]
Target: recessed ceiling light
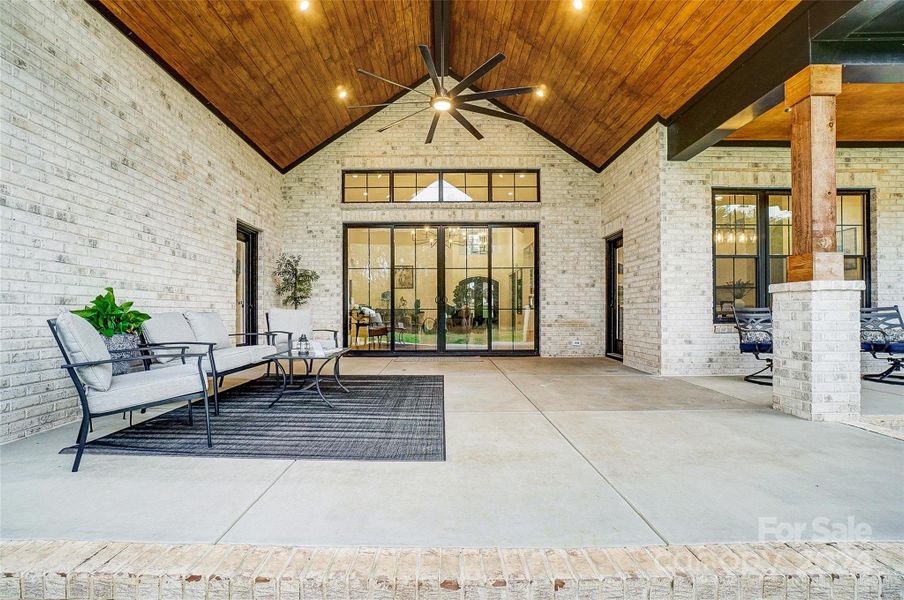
[788, 109]
[540, 91]
[304, 5]
[343, 94]
[578, 4]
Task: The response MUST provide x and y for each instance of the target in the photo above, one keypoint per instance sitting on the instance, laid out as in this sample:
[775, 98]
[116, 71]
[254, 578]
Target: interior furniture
[205, 332]
[101, 393]
[754, 327]
[376, 328]
[882, 332]
[327, 355]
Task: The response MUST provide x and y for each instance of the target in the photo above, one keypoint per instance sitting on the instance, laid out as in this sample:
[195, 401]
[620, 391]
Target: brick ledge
[48, 570]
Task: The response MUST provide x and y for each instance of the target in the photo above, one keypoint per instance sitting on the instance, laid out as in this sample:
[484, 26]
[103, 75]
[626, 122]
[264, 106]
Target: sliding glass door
[441, 288]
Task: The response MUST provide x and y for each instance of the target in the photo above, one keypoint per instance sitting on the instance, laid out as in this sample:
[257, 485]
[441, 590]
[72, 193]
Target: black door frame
[614, 346]
[249, 235]
[441, 289]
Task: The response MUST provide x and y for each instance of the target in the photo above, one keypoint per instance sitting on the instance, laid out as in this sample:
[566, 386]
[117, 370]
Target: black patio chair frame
[879, 321]
[143, 350]
[308, 366]
[756, 320]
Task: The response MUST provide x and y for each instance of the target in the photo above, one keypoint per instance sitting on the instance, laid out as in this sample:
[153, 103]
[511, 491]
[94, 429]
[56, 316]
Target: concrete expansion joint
[72, 570]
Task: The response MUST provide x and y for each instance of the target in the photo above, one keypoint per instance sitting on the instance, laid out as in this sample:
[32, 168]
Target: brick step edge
[73, 570]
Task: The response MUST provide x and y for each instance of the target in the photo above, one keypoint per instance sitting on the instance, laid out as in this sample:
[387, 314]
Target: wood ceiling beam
[751, 83]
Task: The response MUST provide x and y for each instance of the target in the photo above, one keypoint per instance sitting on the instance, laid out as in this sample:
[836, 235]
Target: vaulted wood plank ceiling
[610, 68]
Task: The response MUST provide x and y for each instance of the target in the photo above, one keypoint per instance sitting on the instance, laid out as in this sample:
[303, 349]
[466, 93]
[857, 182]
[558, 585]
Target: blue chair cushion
[895, 347]
[758, 347]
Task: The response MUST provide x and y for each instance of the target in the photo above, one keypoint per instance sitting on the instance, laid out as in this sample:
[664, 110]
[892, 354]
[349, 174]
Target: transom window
[752, 240]
[441, 186]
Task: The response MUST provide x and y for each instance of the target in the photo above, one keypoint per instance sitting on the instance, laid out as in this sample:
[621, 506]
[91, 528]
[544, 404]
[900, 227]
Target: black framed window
[752, 240]
[458, 185]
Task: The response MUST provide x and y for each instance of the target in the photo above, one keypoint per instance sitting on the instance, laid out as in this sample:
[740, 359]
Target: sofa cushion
[163, 328]
[145, 387]
[209, 327]
[84, 344]
[297, 321]
[227, 359]
[259, 351]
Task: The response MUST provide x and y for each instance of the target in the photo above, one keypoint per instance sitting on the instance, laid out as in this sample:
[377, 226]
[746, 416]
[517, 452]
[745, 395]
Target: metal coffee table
[308, 358]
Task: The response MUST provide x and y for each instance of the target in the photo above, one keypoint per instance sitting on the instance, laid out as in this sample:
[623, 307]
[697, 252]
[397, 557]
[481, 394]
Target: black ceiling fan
[453, 100]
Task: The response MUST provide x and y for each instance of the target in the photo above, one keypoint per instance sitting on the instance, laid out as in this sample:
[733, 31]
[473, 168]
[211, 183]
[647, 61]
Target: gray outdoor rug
[395, 418]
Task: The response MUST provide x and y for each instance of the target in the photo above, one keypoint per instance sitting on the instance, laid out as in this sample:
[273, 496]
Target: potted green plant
[117, 324]
[293, 283]
[739, 289]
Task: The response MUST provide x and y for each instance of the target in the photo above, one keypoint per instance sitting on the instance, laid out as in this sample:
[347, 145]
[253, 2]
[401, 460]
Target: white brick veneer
[112, 174]
[665, 210]
[816, 348]
[691, 344]
[571, 271]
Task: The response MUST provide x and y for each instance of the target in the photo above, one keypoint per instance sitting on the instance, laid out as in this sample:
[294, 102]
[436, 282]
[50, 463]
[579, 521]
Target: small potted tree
[293, 283]
[117, 324]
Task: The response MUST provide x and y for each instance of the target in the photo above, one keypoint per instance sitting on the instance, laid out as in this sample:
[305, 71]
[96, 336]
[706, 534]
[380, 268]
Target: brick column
[816, 324]
[816, 349]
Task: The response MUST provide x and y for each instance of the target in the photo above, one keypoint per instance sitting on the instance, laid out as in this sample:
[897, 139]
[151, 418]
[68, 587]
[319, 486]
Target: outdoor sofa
[101, 393]
[206, 333]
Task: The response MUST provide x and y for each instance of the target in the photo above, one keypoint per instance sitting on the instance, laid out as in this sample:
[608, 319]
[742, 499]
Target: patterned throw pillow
[756, 337]
[876, 337]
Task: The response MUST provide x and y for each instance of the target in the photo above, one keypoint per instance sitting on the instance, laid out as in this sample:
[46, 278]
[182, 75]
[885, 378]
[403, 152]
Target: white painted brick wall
[816, 331]
[631, 201]
[112, 175]
[571, 272]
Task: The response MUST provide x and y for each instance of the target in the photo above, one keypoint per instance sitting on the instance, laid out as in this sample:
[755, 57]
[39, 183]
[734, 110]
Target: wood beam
[810, 96]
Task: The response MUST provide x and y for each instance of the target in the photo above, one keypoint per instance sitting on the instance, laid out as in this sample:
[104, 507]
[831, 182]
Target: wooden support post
[810, 95]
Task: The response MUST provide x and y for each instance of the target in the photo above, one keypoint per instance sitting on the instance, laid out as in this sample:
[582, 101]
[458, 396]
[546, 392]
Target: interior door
[615, 292]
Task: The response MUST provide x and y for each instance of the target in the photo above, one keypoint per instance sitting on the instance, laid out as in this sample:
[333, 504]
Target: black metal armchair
[137, 390]
[754, 327]
[882, 332]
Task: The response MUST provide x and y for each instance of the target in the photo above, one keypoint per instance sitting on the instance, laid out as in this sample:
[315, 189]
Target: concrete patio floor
[540, 452]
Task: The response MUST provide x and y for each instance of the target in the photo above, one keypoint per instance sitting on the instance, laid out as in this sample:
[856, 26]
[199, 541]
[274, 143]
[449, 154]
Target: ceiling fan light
[442, 103]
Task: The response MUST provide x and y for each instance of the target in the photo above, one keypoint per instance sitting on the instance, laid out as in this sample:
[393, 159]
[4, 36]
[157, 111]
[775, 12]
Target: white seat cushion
[144, 387]
[84, 344]
[209, 327]
[260, 351]
[227, 359]
[163, 328]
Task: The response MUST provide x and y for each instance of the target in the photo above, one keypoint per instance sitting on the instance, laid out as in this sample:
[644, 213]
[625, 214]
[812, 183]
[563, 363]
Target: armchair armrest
[335, 333]
[209, 345]
[122, 359]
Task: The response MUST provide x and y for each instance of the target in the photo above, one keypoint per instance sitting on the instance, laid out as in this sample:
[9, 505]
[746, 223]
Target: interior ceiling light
[304, 5]
[578, 4]
[341, 92]
[451, 101]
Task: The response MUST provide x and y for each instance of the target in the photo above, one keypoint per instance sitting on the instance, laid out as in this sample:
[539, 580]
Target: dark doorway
[245, 282]
[615, 296]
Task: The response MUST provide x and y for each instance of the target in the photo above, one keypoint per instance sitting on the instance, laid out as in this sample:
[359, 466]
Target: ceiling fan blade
[477, 73]
[431, 68]
[492, 113]
[432, 128]
[421, 102]
[495, 94]
[465, 123]
[369, 74]
[382, 129]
